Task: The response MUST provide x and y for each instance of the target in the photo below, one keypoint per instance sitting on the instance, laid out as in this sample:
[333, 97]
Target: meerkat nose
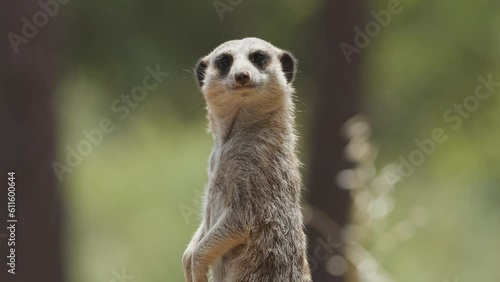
[242, 78]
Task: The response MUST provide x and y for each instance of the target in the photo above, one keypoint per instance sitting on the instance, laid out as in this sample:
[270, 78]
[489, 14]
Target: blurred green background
[133, 202]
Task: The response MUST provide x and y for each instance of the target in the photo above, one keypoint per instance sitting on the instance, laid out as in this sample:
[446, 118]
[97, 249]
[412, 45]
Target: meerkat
[252, 227]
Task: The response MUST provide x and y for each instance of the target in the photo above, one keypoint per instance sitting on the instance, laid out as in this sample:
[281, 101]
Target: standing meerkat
[252, 227]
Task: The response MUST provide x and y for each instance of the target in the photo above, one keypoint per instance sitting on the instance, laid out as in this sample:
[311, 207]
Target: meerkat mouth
[244, 88]
[244, 91]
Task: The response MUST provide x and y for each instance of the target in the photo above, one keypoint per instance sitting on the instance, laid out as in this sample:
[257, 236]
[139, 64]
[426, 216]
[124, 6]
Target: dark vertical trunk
[27, 147]
[337, 102]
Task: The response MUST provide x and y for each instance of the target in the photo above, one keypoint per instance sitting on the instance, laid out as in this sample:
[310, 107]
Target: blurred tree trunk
[337, 101]
[27, 146]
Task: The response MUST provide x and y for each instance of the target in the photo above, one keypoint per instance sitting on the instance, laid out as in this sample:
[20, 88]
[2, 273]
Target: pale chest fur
[256, 169]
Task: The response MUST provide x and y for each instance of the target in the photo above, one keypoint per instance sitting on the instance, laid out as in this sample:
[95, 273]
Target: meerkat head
[249, 71]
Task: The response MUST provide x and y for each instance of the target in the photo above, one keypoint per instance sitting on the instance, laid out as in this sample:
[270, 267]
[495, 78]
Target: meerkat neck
[243, 118]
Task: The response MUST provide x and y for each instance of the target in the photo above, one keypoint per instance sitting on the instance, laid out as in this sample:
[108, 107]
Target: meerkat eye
[224, 61]
[258, 58]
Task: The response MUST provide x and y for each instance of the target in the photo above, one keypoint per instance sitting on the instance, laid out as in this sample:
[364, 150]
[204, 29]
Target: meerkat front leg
[222, 237]
[187, 258]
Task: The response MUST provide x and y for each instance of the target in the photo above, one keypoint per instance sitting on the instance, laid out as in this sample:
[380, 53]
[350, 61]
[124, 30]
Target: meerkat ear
[288, 65]
[200, 71]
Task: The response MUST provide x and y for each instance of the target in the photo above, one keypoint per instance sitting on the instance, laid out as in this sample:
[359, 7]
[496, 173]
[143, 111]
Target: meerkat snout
[242, 78]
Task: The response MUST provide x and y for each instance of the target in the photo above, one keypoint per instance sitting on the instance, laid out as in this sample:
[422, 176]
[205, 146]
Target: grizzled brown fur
[252, 228]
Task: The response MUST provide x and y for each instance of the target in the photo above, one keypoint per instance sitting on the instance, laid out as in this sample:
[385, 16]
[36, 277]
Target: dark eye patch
[259, 59]
[223, 63]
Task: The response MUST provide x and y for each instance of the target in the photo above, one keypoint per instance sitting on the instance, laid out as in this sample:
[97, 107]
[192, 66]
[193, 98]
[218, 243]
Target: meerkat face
[245, 70]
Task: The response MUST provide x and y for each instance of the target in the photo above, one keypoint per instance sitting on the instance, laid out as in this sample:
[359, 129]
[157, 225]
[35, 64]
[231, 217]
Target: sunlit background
[133, 202]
